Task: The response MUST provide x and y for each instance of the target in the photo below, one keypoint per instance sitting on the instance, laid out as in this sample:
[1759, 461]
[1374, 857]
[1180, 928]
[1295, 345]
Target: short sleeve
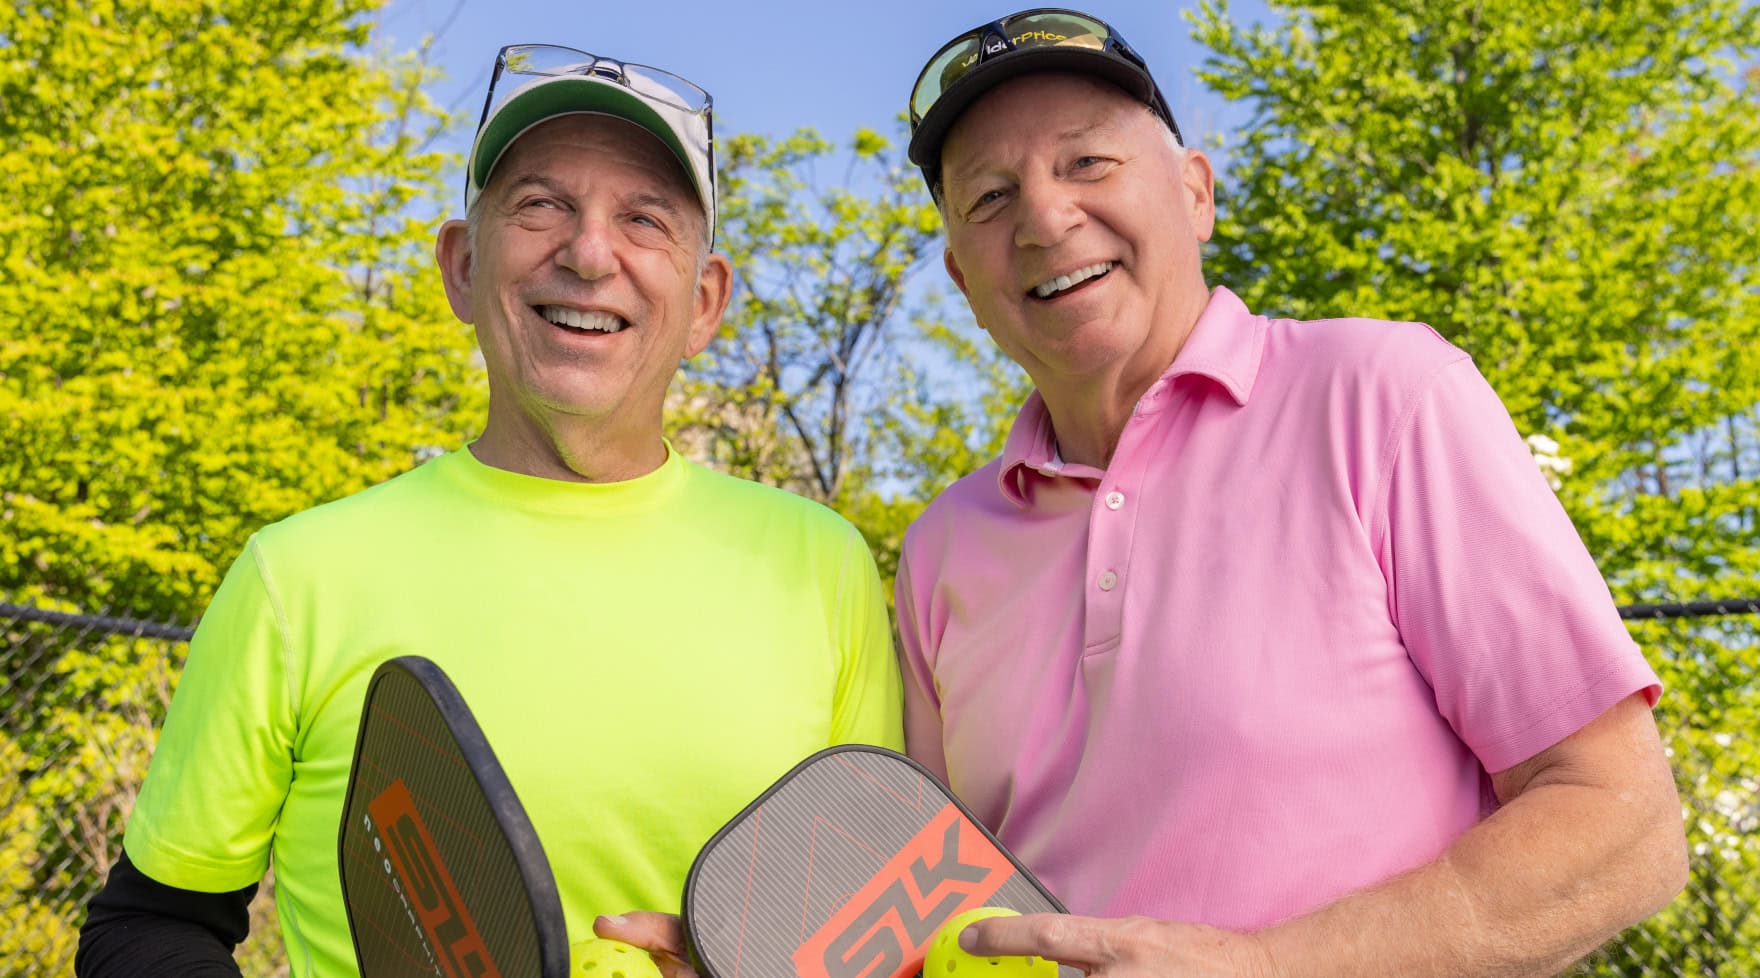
[1499, 604]
[866, 710]
[922, 707]
[206, 814]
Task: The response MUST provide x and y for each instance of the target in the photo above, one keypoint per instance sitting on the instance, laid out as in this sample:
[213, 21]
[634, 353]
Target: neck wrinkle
[1088, 415]
[571, 449]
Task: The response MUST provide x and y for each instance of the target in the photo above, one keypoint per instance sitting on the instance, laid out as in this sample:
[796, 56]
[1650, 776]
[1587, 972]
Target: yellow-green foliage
[819, 309]
[216, 309]
[835, 374]
[67, 782]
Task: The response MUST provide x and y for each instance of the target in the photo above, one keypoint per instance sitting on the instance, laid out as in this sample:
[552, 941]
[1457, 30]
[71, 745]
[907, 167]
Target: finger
[1064, 938]
[674, 967]
[658, 933]
[643, 928]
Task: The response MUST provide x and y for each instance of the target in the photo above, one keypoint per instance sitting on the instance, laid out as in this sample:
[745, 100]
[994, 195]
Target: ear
[1200, 187]
[959, 279]
[452, 252]
[714, 288]
[953, 272]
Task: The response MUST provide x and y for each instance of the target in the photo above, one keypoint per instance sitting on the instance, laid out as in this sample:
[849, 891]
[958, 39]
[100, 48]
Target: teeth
[602, 322]
[1045, 290]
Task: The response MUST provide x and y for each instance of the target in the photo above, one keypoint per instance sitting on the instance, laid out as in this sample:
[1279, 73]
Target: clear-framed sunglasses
[682, 112]
[553, 59]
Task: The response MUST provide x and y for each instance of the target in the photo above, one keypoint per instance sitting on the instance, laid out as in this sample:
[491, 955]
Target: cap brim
[925, 145]
[571, 94]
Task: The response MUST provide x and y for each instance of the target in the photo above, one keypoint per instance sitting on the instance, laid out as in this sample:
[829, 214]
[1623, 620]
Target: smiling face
[1073, 228]
[587, 284]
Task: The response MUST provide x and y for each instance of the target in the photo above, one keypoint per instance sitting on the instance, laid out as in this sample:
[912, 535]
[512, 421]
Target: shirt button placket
[1108, 580]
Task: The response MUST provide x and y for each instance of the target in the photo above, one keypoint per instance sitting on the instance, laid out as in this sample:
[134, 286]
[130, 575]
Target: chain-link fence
[80, 697]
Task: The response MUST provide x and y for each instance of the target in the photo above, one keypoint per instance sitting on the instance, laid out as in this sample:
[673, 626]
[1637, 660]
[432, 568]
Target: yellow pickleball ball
[946, 960]
[601, 957]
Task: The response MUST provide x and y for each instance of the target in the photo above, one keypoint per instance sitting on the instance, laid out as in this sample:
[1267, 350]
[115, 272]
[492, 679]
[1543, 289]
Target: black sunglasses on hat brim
[1041, 39]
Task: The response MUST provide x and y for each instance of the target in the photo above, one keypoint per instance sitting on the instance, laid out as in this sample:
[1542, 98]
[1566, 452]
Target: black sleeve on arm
[137, 926]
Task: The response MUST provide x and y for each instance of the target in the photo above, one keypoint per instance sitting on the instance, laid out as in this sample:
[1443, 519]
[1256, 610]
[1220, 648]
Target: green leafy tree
[1568, 191]
[951, 406]
[217, 314]
[836, 373]
[821, 290]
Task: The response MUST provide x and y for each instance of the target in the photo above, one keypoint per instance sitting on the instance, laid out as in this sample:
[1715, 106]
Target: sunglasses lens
[1027, 31]
[545, 59]
[947, 67]
[1059, 29]
[667, 87]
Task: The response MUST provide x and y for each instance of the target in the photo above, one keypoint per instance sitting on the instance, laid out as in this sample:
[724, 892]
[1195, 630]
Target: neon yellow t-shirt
[645, 657]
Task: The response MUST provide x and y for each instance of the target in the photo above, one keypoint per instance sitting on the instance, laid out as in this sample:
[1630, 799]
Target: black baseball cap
[1041, 39]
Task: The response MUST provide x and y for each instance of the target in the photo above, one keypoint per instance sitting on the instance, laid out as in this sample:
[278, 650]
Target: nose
[588, 250]
[1049, 209]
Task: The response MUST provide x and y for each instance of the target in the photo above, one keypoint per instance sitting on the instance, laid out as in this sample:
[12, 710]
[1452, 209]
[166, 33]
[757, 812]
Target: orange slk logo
[886, 927]
[450, 935]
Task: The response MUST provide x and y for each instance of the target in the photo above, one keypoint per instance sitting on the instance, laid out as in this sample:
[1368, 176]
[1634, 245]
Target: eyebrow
[1092, 128]
[1099, 127]
[524, 180]
[640, 199]
[657, 201]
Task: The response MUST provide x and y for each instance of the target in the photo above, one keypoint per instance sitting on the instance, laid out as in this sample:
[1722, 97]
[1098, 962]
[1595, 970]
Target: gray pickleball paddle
[441, 871]
[846, 868]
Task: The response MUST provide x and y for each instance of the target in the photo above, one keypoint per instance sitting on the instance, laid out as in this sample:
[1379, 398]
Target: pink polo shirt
[1267, 656]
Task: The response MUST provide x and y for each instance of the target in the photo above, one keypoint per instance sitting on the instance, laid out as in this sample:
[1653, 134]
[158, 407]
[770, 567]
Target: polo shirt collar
[1225, 346]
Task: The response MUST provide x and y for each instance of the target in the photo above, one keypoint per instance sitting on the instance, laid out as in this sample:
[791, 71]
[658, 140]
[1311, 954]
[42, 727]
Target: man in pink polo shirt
[1270, 631]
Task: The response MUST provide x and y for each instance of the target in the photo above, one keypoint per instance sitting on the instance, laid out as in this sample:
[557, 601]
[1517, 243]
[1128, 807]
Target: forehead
[1037, 109]
[584, 147]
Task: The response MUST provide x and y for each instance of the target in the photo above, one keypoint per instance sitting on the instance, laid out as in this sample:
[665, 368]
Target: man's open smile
[1062, 284]
[582, 320]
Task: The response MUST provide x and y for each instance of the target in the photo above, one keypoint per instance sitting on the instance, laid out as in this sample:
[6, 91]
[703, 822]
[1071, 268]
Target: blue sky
[775, 66]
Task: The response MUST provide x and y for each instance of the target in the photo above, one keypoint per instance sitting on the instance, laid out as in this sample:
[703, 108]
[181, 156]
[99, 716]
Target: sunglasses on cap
[1050, 38]
[554, 59]
[678, 111]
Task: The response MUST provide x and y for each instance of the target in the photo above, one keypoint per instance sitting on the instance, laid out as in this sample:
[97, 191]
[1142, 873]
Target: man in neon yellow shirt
[646, 643]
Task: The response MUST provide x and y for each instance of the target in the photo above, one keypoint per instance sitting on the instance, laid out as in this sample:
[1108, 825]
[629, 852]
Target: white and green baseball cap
[537, 82]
